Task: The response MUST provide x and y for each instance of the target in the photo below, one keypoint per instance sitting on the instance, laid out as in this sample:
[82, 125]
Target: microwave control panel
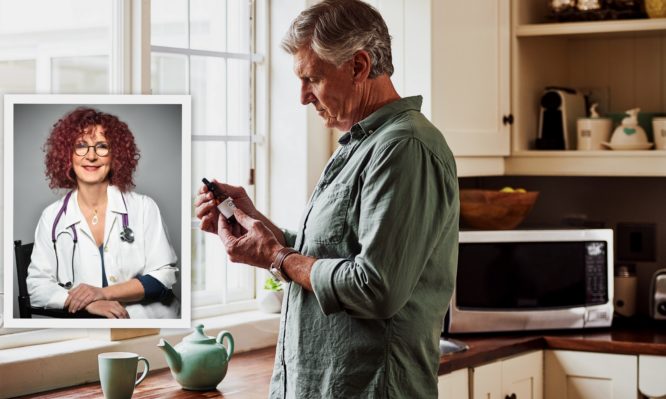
[595, 272]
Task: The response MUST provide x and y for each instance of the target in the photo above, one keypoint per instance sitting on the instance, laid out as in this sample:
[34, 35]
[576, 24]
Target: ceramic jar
[655, 8]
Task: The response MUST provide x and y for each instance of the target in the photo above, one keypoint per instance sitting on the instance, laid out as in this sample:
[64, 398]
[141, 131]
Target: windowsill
[38, 368]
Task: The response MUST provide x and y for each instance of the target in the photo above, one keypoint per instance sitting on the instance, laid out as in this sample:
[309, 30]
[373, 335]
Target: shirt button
[113, 279]
[106, 248]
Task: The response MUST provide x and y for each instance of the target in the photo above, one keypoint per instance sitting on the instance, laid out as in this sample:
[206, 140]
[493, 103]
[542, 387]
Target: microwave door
[528, 276]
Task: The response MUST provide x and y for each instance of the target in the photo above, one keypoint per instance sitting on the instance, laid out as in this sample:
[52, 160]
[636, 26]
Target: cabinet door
[470, 75]
[522, 376]
[587, 375]
[487, 381]
[454, 385]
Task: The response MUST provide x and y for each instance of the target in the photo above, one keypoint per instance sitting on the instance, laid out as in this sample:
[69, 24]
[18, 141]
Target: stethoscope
[126, 235]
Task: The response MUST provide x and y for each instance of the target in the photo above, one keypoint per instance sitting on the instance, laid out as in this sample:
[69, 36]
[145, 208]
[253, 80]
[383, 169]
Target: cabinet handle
[512, 396]
[507, 120]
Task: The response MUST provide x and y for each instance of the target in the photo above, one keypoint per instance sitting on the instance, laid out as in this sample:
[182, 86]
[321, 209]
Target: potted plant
[270, 298]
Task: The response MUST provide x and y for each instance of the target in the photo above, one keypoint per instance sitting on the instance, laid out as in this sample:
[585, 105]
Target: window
[53, 50]
[207, 48]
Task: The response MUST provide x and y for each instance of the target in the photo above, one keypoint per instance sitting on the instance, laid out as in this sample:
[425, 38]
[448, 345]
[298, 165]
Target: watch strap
[276, 267]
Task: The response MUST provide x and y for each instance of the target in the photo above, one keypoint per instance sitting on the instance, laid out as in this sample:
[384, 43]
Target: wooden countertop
[249, 373]
[248, 377]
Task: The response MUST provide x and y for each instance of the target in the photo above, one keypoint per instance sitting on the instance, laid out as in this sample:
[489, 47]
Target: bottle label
[227, 207]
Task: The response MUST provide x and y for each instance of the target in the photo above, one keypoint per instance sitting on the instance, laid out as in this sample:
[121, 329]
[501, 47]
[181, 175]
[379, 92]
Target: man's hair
[336, 29]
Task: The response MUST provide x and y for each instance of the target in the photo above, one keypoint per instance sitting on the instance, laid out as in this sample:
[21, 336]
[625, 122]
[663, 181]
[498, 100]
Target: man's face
[329, 89]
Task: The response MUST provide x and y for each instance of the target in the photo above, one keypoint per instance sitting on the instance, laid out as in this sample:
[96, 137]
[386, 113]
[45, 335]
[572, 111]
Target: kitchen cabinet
[517, 377]
[651, 381]
[589, 375]
[470, 76]
[454, 385]
[619, 63]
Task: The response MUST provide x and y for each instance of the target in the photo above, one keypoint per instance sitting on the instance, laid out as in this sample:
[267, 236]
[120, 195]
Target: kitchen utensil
[659, 133]
[593, 131]
[199, 362]
[495, 210]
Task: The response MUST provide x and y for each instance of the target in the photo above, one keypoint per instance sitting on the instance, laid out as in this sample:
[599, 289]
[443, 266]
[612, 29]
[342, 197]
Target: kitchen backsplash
[609, 200]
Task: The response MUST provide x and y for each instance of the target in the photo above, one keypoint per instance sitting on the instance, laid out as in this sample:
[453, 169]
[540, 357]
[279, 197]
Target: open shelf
[592, 28]
[587, 163]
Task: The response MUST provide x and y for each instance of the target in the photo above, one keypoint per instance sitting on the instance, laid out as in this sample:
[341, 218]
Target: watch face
[276, 274]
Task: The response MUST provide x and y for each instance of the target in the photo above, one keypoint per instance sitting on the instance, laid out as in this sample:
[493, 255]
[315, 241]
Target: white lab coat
[150, 253]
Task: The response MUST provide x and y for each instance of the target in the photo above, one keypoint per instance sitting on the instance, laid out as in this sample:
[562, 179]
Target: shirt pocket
[328, 217]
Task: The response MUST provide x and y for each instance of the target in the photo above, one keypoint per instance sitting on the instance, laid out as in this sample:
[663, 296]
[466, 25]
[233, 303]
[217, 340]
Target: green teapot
[199, 362]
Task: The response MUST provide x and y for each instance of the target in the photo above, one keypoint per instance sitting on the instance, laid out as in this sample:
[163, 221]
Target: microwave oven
[516, 280]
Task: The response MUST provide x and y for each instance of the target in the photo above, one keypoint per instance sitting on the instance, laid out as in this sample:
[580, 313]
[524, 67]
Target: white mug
[117, 373]
[592, 132]
[659, 133]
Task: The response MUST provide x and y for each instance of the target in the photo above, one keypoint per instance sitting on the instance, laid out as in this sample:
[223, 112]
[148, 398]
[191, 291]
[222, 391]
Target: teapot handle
[230, 341]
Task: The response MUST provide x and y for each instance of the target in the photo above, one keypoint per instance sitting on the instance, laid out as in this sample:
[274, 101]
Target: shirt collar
[115, 199]
[376, 119]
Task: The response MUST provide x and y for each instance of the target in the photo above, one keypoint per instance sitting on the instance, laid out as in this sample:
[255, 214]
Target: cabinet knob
[512, 396]
[507, 119]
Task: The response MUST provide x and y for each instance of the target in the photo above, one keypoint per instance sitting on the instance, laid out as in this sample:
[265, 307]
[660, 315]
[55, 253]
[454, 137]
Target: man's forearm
[298, 268]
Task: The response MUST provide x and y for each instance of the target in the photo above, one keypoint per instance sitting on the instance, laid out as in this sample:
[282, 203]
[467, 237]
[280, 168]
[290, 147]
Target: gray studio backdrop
[157, 129]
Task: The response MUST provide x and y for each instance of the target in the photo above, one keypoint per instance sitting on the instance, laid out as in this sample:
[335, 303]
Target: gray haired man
[372, 268]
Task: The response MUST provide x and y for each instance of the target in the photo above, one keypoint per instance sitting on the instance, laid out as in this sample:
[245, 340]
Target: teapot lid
[198, 336]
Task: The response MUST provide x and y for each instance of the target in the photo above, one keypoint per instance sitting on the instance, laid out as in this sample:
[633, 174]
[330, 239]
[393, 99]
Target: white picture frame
[153, 116]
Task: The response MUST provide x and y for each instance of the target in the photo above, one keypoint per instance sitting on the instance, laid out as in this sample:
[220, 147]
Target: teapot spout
[173, 357]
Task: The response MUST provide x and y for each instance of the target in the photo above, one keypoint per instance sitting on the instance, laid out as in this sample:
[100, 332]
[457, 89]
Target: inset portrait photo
[97, 211]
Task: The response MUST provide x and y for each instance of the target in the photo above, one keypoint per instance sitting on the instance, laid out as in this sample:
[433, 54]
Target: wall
[610, 200]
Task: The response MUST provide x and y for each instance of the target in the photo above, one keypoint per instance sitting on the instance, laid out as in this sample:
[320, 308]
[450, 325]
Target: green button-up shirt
[383, 224]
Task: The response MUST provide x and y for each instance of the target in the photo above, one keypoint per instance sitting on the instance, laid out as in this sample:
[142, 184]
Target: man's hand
[108, 309]
[206, 206]
[249, 241]
[81, 296]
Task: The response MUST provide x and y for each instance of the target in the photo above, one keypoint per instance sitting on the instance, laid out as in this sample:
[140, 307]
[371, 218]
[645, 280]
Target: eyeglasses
[101, 149]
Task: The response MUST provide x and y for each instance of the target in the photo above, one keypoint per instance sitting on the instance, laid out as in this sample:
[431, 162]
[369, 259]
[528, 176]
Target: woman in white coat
[101, 247]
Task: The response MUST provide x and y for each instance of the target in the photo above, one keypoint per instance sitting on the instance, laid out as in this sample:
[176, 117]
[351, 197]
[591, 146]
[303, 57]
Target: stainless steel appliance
[658, 295]
[514, 280]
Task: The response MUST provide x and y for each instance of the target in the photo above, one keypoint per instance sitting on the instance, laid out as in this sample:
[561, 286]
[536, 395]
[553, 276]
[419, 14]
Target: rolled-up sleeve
[402, 198]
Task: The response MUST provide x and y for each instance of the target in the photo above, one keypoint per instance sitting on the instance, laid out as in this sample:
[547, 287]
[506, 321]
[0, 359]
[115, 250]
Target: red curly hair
[59, 148]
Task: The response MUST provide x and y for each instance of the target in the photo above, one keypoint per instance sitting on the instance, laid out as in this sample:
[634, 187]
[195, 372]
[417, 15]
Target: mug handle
[145, 370]
[230, 341]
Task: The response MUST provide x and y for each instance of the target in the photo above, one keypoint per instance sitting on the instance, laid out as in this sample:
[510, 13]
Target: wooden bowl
[495, 210]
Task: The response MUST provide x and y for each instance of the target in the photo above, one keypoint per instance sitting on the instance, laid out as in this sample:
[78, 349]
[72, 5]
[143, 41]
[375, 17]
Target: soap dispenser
[629, 135]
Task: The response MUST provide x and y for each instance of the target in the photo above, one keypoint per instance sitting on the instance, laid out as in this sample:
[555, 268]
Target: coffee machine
[560, 109]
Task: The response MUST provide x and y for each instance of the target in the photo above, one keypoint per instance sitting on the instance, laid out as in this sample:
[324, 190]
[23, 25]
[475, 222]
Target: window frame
[207, 303]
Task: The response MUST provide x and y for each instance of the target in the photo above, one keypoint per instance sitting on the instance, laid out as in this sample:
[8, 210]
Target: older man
[372, 266]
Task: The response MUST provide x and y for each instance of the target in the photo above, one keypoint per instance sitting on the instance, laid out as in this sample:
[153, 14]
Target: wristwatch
[276, 267]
